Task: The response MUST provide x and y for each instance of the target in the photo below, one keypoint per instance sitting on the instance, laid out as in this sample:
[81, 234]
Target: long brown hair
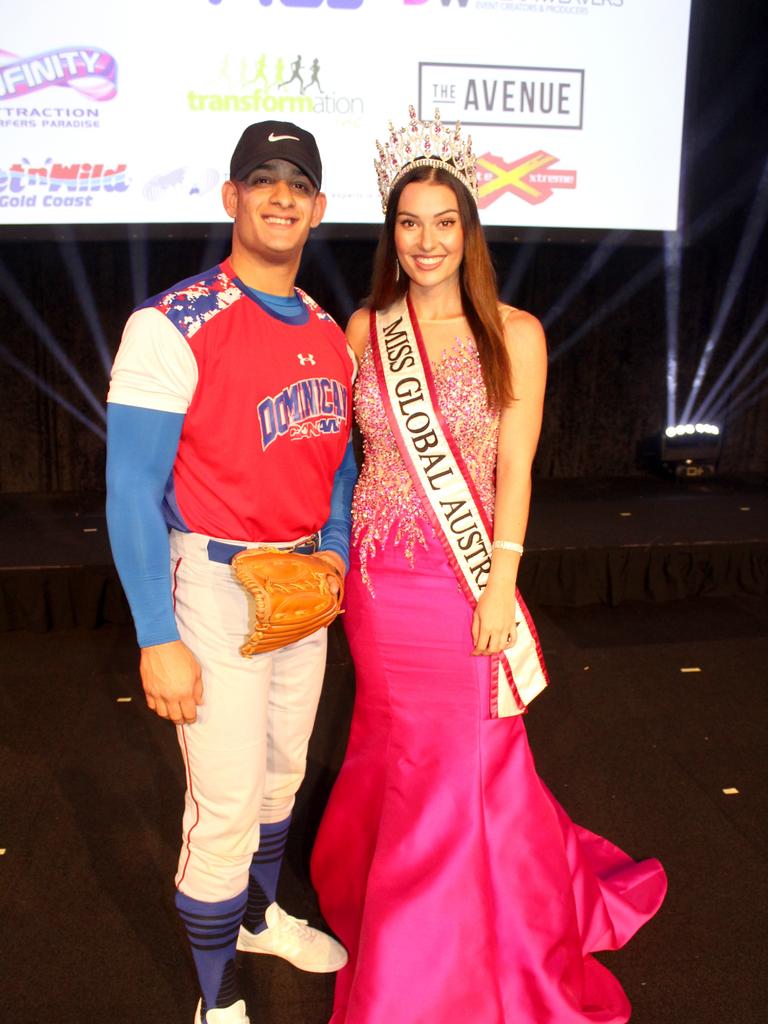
[479, 297]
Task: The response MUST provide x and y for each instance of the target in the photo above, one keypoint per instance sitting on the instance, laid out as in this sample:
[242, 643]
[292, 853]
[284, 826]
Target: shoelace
[296, 926]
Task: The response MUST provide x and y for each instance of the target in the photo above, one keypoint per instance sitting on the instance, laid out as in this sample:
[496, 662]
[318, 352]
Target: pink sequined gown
[461, 889]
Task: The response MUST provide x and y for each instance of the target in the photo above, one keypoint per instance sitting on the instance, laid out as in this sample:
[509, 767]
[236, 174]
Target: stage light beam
[73, 261]
[518, 268]
[28, 313]
[735, 360]
[703, 224]
[607, 247]
[744, 79]
[139, 275]
[46, 388]
[754, 226]
[738, 402]
[635, 284]
[672, 263]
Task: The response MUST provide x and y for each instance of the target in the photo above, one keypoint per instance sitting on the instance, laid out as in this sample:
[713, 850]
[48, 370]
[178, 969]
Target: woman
[461, 889]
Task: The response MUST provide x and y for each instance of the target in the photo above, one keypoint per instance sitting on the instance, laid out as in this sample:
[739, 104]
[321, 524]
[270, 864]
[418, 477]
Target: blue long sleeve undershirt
[334, 536]
[141, 449]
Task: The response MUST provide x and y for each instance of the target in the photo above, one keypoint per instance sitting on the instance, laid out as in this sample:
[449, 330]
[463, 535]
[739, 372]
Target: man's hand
[173, 685]
[337, 562]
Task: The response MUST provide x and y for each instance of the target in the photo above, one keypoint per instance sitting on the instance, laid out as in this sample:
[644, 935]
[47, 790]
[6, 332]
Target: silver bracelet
[508, 545]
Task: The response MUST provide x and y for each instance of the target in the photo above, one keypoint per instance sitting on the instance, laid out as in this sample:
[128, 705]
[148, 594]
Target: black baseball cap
[276, 140]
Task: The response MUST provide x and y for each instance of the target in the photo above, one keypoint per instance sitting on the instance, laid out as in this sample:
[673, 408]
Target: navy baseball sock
[212, 930]
[265, 871]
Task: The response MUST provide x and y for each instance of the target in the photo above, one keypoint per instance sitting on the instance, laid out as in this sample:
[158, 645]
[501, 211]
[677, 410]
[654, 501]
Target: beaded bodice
[386, 507]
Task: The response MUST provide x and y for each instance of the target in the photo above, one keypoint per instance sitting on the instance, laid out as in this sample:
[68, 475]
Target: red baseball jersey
[267, 406]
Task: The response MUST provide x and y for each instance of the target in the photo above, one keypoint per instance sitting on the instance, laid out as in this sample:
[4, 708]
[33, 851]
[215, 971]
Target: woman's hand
[493, 623]
[337, 563]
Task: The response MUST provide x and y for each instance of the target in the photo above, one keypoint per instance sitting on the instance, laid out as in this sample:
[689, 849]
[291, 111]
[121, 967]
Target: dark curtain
[606, 400]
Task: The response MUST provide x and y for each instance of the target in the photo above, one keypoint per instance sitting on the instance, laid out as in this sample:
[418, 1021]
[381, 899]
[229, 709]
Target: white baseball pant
[245, 756]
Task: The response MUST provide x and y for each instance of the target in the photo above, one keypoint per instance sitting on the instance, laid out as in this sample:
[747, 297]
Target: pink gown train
[461, 889]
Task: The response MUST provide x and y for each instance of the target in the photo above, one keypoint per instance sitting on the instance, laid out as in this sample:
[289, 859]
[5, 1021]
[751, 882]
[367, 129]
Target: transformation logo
[91, 72]
[505, 97]
[529, 178]
[265, 84]
[55, 184]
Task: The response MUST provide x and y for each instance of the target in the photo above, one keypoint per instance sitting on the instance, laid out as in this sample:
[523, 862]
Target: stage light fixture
[691, 450]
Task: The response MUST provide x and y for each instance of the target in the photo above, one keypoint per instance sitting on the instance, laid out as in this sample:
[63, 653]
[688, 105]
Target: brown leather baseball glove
[291, 595]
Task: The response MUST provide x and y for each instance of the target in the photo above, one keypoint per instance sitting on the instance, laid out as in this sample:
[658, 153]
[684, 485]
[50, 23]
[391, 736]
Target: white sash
[448, 494]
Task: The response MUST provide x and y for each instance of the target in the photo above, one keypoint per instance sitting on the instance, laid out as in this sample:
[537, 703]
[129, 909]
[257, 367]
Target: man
[228, 427]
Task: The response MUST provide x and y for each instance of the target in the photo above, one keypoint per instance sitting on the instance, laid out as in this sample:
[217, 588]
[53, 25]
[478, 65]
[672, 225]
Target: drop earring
[397, 269]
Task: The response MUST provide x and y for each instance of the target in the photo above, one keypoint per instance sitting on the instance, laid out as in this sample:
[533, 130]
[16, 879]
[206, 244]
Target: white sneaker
[294, 940]
[234, 1014]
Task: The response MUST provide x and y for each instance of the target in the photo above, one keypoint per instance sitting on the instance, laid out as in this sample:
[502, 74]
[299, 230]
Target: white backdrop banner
[128, 112]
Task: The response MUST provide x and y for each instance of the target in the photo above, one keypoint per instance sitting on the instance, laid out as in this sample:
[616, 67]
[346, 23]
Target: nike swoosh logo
[279, 138]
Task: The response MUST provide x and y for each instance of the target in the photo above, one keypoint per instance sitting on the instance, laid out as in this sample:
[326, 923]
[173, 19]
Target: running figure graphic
[295, 74]
[314, 80]
[259, 71]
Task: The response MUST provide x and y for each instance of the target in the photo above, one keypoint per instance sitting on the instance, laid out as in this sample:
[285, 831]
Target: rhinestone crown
[424, 144]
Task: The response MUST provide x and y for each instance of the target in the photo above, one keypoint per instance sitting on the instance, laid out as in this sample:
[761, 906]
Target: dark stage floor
[635, 747]
[588, 542]
[657, 708]
[56, 530]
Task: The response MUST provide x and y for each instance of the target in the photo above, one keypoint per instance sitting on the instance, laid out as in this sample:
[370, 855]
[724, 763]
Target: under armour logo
[280, 138]
[305, 359]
